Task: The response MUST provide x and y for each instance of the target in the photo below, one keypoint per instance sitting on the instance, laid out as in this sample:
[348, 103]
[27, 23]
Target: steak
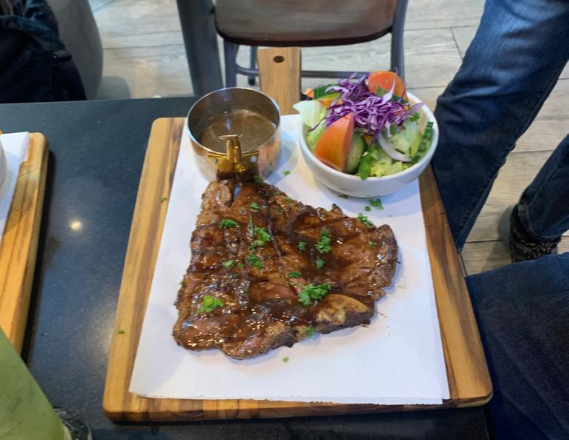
[267, 271]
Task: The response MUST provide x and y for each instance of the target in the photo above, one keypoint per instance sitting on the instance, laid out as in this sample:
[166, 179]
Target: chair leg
[230, 51]
[200, 41]
[252, 64]
[397, 46]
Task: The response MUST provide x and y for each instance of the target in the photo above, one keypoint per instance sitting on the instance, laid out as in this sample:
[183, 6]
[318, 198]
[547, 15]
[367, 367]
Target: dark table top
[97, 152]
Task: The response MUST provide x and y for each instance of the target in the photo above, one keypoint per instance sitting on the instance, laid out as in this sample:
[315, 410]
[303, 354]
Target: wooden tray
[468, 377]
[20, 242]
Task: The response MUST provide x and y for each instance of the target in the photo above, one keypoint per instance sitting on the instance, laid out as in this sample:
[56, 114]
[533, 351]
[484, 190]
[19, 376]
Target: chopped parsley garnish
[288, 199]
[227, 223]
[320, 263]
[258, 179]
[262, 237]
[343, 196]
[209, 304]
[286, 359]
[183, 282]
[312, 292]
[286, 173]
[255, 206]
[372, 244]
[240, 265]
[255, 261]
[362, 218]
[294, 275]
[323, 245]
[121, 331]
[376, 203]
[367, 208]
[308, 332]
[301, 246]
[163, 199]
[228, 263]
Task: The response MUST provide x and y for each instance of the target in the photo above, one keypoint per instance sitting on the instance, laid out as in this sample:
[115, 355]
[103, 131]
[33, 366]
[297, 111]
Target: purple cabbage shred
[372, 113]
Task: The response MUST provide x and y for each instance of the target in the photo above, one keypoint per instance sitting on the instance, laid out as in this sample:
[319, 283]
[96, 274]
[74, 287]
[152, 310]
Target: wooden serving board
[19, 244]
[468, 377]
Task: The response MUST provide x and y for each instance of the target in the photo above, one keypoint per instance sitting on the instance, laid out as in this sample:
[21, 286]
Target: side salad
[365, 125]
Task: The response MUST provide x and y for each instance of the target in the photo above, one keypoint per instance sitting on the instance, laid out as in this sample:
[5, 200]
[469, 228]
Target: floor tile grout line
[464, 26]
[456, 44]
[517, 153]
[143, 47]
[103, 6]
[446, 26]
[496, 240]
[427, 87]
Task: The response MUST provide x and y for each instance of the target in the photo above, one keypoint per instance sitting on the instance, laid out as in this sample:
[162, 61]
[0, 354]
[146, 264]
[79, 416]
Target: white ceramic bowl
[372, 186]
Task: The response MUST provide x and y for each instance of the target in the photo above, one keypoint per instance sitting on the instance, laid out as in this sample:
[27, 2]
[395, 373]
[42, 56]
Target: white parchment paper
[15, 147]
[397, 359]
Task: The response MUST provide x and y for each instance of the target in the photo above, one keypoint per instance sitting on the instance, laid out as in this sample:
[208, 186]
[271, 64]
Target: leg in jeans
[509, 70]
[543, 209]
[523, 316]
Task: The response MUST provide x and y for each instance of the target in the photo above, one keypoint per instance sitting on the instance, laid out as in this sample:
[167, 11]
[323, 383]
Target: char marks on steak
[255, 281]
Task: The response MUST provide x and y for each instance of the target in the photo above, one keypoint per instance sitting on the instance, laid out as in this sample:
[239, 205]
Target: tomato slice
[384, 80]
[334, 144]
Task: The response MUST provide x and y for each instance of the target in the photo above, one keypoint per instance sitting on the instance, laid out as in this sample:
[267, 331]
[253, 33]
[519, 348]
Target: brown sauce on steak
[249, 266]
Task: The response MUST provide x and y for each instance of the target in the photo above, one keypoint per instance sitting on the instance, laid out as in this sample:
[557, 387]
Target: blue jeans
[510, 68]
[523, 316]
[508, 71]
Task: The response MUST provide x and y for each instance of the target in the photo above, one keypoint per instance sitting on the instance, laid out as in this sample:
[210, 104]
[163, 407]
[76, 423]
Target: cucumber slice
[355, 154]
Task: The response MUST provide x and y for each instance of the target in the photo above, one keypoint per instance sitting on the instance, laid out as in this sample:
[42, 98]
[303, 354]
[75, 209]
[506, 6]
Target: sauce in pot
[254, 128]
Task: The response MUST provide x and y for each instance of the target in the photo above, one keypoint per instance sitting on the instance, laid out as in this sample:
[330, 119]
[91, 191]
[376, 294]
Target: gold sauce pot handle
[234, 154]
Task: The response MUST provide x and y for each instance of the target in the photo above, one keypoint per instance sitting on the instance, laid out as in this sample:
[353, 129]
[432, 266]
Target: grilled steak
[268, 271]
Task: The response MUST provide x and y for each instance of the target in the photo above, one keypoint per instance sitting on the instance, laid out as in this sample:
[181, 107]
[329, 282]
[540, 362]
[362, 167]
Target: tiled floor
[144, 56]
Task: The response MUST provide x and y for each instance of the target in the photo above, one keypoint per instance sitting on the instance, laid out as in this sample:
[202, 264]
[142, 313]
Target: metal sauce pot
[235, 111]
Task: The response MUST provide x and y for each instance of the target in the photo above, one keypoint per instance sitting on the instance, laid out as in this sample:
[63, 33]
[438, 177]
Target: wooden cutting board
[19, 244]
[468, 377]
[467, 371]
